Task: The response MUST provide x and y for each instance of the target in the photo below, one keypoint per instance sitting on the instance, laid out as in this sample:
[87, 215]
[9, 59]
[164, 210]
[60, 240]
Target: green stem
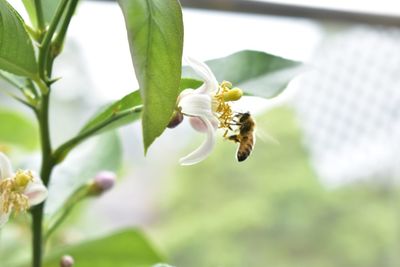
[39, 15]
[45, 173]
[60, 37]
[65, 148]
[79, 194]
[45, 45]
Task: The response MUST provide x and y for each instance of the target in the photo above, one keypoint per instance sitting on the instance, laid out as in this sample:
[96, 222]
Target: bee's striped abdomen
[245, 147]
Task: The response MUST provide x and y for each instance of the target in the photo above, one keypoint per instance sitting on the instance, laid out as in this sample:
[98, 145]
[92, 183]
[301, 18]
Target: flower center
[11, 192]
[221, 105]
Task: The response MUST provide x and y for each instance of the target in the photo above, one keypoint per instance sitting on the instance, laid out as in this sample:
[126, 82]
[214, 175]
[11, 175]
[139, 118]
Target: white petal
[5, 167]
[204, 150]
[198, 105]
[36, 191]
[210, 82]
[200, 126]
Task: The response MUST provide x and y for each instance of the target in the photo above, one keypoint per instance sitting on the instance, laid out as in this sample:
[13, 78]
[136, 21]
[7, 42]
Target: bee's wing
[265, 137]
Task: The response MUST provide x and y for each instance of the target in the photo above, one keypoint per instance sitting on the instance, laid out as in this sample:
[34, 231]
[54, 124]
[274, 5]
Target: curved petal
[36, 191]
[198, 105]
[210, 82]
[184, 93]
[5, 167]
[200, 126]
[204, 150]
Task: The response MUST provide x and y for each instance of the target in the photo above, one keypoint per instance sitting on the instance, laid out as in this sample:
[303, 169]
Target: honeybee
[246, 136]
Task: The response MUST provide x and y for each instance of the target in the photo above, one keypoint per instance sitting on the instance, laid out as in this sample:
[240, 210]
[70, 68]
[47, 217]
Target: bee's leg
[234, 138]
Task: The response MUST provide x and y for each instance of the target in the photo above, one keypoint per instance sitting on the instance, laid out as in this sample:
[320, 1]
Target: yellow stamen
[224, 95]
[233, 94]
[22, 178]
[11, 192]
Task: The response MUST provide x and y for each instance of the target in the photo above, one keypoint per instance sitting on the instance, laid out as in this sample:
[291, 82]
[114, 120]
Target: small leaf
[129, 248]
[102, 153]
[128, 102]
[30, 9]
[155, 32]
[16, 50]
[49, 9]
[18, 130]
[256, 73]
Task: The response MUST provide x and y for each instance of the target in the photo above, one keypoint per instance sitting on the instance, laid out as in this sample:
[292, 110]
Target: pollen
[222, 107]
[11, 192]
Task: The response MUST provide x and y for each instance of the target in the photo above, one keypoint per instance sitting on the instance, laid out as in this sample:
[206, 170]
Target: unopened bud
[103, 182]
[66, 261]
[176, 119]
[233, 94]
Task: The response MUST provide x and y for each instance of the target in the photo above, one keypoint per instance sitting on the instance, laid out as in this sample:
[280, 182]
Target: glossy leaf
[17, 130]
[256, 73]
[129, 248]
[16, 50]
[102, 153]
[155, 32]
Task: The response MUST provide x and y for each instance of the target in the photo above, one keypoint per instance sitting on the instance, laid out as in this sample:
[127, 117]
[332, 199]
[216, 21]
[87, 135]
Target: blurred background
[326, 194]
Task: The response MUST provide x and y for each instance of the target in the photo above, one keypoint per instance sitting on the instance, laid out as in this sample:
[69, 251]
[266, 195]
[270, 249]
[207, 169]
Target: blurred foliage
[272, 210]
[128, 248]
[103, 153]
[19, 130]
[256, 73]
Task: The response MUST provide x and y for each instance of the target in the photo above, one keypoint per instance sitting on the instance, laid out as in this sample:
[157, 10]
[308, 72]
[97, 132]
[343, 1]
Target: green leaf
[128, 102]
[30, 9]
[155, 32]
[256, 73]
[129, 248]
[102, 153]
[18, 130]
[16, 50]
[49, 9]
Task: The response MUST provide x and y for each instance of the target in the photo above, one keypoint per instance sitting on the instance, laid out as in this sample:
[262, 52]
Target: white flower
[206, 109]
[18, 191]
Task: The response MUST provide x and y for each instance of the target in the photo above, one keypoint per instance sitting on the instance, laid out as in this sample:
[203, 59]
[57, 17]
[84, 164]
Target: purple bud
[176, 119]
[66, 261]
[104, 180]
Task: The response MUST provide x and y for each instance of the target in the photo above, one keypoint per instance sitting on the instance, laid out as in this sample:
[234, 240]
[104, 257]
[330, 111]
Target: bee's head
[243, 116]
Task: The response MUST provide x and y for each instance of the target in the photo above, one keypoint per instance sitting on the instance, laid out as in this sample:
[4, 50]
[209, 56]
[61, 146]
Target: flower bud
[103, 182]
[66, 261]
[176, 119]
